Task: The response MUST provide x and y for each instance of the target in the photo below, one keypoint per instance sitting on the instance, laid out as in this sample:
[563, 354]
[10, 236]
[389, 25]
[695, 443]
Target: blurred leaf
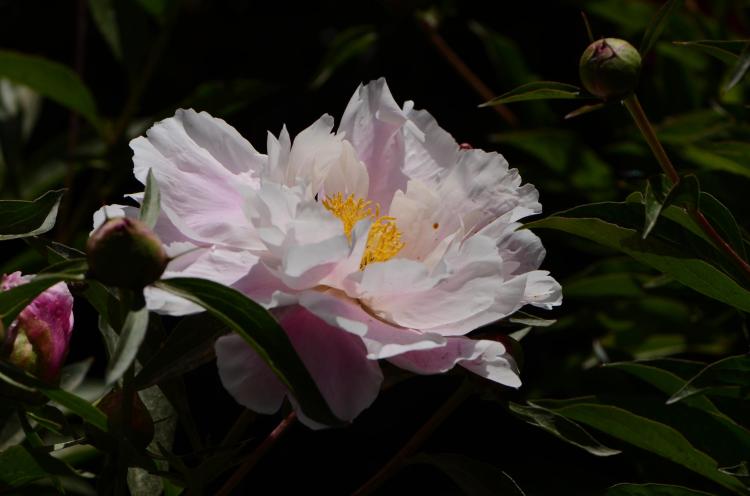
[19, 466]
[150, 207]
[714, 161]
[620, 285]
[540, 90]
[739, 470]
[561, 427]
[50, 79]
[662, 254]
[651, 436]
[105, 18]
[14, 300]
[262, 332]
[692, 127]
[189, 345]
[19, 219]
[586, 109]
[724, 50]
[652, 490]
[728, 376]
[157, 8]
[72, 375]
[656, 27]
[472, 477]
[740, 68]
[131, 336]
[347, 44]
[224, 98]
[505, 56]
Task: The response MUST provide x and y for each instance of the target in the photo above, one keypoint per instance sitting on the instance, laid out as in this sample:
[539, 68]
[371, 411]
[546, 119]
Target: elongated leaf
[663, 380]
[74, 403]
[189, 345]
[656, 27]
[724, 222]
[19, 467]
[730, 375]
[105, 17]
[740, 68]
[655, 196]
[586, 109]
[472, 477]
[262, 332]
[652, 436]
[19, 219]
[539, 90]
[16, 299]
[561, 427]
[725, 50]
[652, 490]
[150, 209]
[347, 45]
[680, 262]
[131, 336]
[50, 79]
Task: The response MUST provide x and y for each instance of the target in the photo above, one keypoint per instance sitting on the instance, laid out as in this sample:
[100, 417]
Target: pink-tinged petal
[214, 263]
[542, 290]
[382, 339]
[372, 123]
[203, 197]
[40, 335]
[338, 363]
[430, 151]
[336, 360]
[247, 377]
[483, 357]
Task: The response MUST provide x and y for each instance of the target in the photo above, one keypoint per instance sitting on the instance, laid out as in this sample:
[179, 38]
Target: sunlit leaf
[19, 219]
[262, 332]
[50, 79]
[740, 68]
[150, 207]
[131, 336]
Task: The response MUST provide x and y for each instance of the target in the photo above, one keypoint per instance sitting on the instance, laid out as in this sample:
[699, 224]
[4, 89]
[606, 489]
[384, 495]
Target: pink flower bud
[37, 341]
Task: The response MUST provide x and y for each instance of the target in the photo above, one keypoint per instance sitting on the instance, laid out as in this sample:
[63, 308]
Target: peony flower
[37, 341]
[382, 240]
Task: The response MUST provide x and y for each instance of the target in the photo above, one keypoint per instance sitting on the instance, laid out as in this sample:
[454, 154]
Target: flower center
[383, 239]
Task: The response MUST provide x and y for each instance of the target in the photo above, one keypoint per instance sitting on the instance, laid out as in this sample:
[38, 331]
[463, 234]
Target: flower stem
[644, 125]
[256, 455]
[416, 440]
[639, 116]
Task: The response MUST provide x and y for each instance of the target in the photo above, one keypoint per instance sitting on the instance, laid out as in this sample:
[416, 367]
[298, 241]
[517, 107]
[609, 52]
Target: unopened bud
[609, 68]
[38, 340]
[125, 253]
[141, 425]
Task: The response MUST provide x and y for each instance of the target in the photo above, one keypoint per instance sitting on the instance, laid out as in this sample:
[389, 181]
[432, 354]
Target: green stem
[419, 437]
[644, 125]
[641, 120]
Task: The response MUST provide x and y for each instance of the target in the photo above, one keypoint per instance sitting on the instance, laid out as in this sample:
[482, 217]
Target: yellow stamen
[383, 239]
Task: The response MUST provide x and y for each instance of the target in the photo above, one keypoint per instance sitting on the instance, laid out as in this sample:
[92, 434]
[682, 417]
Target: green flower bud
[125, 253]
[609, 68]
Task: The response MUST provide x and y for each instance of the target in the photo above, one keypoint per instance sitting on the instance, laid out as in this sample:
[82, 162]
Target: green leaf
[740, 68]
[670, 256]
[655, 199]
[539, 90]
[262, 332]
[652, 490]
[664, 380]
[656, 27]
[150, 208]
[14, 300]
[472, 477]
[131, 336]
[347, 45]
[50, 79]
[74, 403]
[725, 50]
[19, 219]
[568, 431]
[729, 376]
[724, 222]
[105, 18]
[652, 436]
[189, 345]
[19, 467]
